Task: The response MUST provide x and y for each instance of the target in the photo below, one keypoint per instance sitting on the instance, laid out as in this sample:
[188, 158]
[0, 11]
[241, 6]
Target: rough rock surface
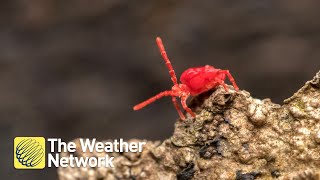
[234, 136]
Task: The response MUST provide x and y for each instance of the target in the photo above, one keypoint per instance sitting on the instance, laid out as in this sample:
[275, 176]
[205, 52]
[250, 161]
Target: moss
[300, 104]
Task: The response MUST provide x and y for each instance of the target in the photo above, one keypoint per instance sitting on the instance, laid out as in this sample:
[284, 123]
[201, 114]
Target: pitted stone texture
[233, 136]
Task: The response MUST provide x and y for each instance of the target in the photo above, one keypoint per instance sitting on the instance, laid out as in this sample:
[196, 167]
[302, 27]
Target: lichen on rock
[234, 136]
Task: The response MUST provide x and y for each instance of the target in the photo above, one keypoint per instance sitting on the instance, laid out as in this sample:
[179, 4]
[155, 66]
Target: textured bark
[233, 136]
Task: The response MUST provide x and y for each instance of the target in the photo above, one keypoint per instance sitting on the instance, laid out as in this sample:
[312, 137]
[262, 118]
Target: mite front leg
[167, 61]
[176, 105]
[184, 105]
[231, 79]
[152, 99]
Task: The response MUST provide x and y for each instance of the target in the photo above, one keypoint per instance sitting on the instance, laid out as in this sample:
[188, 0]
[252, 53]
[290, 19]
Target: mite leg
[223, 84]
[231, 79]
[184, 105]
[176, 105]
[166, 60]
[152, 99]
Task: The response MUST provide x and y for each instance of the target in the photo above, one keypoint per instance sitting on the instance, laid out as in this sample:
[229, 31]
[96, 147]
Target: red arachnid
[194, 81]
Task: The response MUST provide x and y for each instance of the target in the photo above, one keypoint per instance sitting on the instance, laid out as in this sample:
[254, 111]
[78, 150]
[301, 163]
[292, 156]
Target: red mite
[194, 81]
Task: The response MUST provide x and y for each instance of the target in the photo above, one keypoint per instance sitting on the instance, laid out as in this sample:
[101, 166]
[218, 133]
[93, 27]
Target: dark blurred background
[75, 68]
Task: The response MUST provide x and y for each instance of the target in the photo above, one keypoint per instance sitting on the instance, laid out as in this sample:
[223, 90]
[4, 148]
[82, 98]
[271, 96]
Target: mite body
[202, 79]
